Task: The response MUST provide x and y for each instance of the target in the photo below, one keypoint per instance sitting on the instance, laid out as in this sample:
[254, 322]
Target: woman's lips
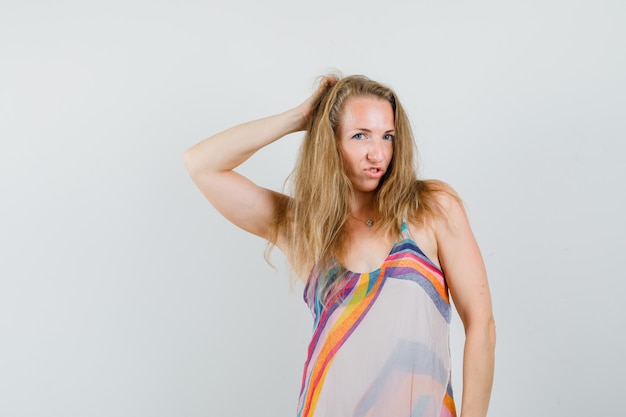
[374, 172]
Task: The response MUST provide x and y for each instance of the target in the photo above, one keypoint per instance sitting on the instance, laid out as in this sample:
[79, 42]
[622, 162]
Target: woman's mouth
[374, 172]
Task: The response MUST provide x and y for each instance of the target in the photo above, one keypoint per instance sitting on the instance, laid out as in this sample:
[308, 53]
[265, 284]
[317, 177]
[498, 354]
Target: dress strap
[404, 229]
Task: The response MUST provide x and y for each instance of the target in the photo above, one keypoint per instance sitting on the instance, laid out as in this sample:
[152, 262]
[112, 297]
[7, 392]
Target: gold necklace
[368, 222]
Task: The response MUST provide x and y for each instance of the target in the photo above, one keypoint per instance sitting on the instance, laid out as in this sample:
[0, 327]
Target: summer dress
[380, 347]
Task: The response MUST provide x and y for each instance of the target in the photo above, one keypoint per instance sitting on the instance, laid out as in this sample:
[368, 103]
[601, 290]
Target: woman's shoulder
[447, 209]
[437, 198]
[440, 215]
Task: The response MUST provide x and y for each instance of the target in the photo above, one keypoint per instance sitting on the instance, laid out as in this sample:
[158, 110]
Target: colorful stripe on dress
[363, 294]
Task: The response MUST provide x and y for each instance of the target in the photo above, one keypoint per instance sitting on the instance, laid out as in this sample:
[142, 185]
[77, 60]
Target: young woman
[379, 251]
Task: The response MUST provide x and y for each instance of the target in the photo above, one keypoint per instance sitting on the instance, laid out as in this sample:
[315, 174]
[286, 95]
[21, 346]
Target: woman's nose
[375, 150]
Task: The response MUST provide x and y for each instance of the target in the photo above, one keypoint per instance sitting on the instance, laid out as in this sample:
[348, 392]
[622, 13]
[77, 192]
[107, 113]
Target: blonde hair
[314, 220]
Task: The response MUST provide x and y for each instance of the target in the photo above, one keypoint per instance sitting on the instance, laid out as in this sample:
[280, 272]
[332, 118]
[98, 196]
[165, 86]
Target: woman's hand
[305, 109]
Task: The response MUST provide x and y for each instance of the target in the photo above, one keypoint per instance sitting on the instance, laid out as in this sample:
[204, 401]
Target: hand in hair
[306, 108]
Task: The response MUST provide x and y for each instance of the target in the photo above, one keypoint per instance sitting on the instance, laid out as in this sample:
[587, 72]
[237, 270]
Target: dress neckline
[405, 235]
[391, 251]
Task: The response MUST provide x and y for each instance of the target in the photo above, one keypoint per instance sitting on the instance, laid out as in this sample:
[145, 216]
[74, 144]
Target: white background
[123, 293]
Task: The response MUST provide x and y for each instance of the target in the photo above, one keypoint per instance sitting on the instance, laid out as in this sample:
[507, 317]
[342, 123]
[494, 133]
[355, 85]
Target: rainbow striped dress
[380, 347]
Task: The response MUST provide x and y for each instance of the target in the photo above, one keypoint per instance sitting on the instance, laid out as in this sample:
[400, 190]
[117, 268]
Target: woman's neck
[362, 205]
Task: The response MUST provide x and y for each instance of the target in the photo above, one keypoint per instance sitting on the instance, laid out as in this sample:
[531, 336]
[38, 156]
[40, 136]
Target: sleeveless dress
[380, 345]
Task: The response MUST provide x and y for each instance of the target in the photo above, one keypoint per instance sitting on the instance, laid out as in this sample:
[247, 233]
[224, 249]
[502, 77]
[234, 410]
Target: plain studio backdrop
[124, 293]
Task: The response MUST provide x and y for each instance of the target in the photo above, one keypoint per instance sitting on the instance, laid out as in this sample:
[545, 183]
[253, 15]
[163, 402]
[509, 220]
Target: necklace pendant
[369, 222]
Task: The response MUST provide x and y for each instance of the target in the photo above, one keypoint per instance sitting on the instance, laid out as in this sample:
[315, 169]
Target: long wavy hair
[315, 217]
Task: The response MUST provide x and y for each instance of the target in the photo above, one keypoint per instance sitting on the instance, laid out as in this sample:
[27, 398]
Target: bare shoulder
[448, 211]
[441, 212]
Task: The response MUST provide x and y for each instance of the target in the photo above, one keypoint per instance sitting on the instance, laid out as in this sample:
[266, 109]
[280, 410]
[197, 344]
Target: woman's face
[366, 132]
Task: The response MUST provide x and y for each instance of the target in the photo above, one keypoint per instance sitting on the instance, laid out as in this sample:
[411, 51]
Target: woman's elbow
[484, 329]
[190, 161]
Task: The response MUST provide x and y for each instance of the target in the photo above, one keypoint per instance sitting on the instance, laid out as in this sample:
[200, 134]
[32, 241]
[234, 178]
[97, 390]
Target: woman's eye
[388, 137]
[358, 136]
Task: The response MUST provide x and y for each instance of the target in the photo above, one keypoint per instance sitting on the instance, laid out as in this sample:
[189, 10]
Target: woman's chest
[366, 250]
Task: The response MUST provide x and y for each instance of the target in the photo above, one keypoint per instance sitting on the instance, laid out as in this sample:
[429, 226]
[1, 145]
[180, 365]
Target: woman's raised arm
[211, 162]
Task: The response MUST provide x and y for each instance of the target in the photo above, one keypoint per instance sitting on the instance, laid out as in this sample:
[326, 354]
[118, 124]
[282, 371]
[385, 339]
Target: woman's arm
[211, 162]
[465, 273]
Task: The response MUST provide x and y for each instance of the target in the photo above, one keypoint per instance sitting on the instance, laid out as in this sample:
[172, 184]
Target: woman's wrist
[295, 120]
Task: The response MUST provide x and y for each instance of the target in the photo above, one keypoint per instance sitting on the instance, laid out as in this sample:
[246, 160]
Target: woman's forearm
[478, 366]
[230, 148]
